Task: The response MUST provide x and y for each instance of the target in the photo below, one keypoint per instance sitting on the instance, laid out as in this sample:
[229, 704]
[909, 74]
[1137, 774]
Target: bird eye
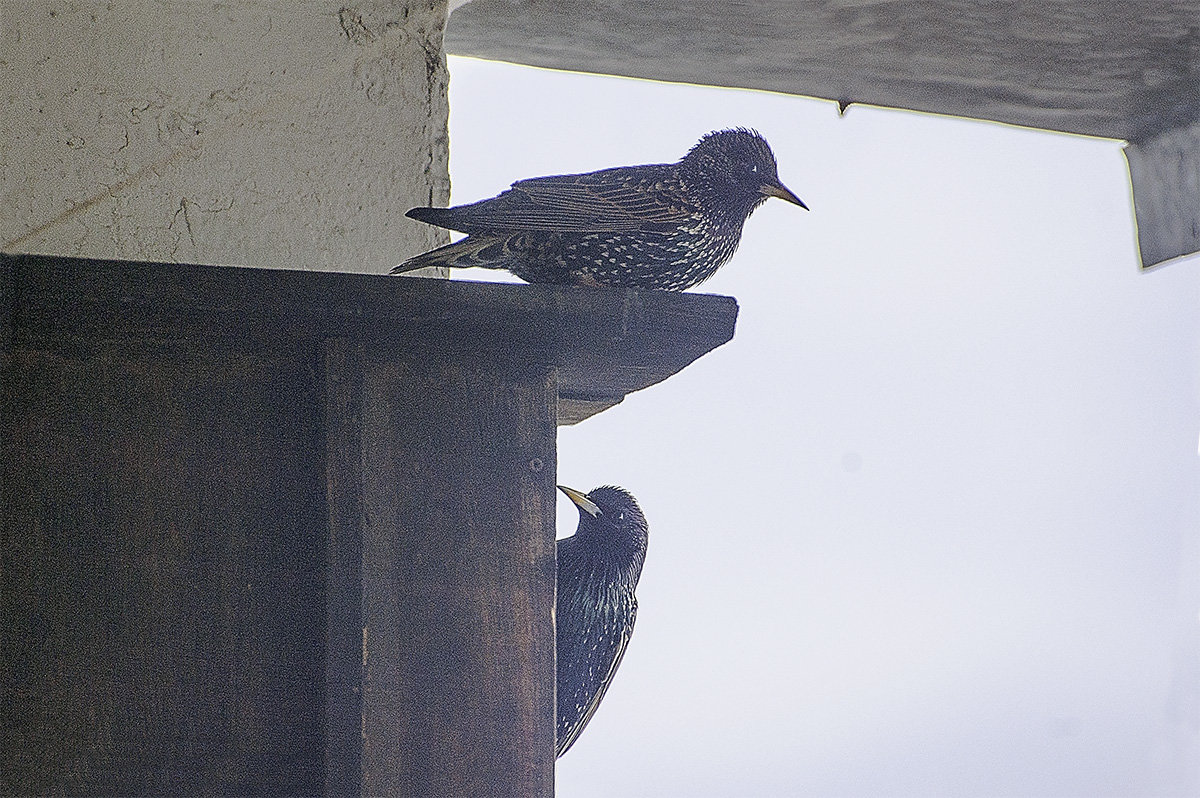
[753, 168]
[620, 516]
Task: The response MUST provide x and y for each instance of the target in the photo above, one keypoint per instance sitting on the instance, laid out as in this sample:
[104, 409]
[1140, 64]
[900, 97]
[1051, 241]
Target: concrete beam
[1124, 71]
[1165, 173]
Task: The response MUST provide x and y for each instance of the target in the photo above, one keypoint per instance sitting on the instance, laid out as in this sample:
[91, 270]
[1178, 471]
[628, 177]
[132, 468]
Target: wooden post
[342, 372]
[292, 533]
[458, 551]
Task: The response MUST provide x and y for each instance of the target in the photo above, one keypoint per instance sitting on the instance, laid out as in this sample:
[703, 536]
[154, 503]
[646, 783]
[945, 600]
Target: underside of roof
[1117, 70]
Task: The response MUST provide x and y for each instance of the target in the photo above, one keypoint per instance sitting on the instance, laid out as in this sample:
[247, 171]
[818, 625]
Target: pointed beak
[781, 191]
[581, 501]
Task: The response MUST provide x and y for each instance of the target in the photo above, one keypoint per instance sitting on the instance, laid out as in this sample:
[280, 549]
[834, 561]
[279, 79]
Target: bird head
[736, 169]
[610, 514]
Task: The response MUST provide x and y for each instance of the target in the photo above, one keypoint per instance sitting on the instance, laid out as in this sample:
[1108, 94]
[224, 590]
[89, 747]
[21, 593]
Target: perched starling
[598, 569]
[668, 226]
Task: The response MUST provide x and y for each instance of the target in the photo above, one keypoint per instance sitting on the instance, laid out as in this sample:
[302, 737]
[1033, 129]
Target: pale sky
[928, 525]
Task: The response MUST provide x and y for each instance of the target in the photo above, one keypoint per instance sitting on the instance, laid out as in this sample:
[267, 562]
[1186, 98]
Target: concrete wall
[252, 133]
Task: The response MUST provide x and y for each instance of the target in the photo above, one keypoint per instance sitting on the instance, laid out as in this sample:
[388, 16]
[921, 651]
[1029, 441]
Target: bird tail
[471, 251]
[442, 217]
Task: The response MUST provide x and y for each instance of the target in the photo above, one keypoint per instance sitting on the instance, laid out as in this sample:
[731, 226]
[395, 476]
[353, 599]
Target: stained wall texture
[251, 133]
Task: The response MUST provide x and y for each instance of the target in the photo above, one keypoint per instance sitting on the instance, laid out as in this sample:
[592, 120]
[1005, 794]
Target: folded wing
[611, 200]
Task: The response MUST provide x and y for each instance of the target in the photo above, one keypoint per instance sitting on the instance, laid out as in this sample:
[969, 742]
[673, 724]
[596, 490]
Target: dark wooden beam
[342, 373]
[458, 579]
[162, 576]
[293, 533]
[606, 343]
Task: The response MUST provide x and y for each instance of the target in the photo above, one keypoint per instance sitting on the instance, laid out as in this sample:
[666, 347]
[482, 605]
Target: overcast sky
[929, 524]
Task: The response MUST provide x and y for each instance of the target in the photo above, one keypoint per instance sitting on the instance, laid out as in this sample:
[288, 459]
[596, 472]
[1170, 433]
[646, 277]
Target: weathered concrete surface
[1165, 171]
[253, 133]
[1097, 67]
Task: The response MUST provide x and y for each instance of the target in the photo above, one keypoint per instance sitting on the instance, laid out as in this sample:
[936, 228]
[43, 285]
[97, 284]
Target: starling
[598, 569]
[667, 226]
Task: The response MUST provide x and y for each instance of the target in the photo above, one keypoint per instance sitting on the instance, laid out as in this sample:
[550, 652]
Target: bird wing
[622, 644]
[644, 198]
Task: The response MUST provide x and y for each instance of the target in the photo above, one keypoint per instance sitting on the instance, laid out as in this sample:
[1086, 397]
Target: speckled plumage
[665, 226]
[598, 569]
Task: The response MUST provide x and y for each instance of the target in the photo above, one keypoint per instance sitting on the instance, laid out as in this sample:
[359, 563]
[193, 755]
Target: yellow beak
[581, 501]
[781, 191]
